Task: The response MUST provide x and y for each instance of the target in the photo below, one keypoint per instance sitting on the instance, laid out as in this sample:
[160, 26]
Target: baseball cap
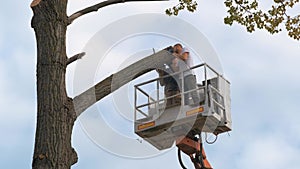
[184, 50]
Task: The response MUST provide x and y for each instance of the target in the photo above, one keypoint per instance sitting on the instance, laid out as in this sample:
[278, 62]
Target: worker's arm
[161, 73]
[174, 65]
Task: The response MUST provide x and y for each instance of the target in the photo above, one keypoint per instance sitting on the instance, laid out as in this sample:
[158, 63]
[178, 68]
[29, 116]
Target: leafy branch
[248, 14]
[190, 5]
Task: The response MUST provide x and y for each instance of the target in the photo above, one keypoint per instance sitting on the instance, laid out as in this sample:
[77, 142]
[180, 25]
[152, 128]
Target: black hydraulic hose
[180, 160]
[200, 156]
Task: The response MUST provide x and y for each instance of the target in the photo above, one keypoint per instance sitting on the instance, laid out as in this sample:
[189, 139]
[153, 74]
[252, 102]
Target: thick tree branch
[75, 57]
[96, 7]
[115, 81]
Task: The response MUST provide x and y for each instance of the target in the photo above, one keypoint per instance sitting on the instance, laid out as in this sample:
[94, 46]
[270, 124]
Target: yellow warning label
[146, 125]
[195, 111]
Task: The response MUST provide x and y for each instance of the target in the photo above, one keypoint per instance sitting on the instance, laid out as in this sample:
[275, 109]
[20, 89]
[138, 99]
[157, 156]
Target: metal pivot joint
[193, 147]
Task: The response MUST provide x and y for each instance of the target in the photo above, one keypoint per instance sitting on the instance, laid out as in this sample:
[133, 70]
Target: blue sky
[263, 70]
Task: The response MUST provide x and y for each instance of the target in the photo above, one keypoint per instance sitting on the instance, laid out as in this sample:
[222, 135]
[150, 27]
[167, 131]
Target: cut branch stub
[34, 3]
[75, 57]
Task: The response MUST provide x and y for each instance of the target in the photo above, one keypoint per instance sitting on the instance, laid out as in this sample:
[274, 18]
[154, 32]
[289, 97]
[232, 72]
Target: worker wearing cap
[189, 80]
[171, 88]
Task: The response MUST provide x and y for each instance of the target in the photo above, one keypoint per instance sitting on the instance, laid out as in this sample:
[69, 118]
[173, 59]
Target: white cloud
[84, 28]
[263, 70]
[89, 156]
[1, 33]
[269, 152]
[17, 112]
[251, 61]
[17, 90]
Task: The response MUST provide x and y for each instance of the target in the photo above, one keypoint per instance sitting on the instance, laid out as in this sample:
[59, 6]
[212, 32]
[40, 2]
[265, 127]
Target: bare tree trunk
[55, 111]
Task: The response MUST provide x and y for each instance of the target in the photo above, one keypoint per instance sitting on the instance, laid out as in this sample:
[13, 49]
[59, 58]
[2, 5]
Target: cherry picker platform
[162, 120]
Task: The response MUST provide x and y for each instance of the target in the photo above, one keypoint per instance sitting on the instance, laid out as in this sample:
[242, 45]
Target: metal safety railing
[156, 103]
[217, 100]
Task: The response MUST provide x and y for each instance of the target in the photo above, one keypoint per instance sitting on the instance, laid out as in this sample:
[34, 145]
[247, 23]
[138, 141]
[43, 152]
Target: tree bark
[55, 111]
[122, 77]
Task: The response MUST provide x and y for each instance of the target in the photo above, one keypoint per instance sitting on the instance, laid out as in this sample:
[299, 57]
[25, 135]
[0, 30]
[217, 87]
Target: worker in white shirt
[183, 64]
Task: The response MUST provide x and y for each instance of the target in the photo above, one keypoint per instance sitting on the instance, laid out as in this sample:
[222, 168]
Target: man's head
[178, 48]
[185, 53]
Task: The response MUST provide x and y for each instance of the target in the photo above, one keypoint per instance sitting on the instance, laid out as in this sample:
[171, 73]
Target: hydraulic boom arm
[194, 149]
